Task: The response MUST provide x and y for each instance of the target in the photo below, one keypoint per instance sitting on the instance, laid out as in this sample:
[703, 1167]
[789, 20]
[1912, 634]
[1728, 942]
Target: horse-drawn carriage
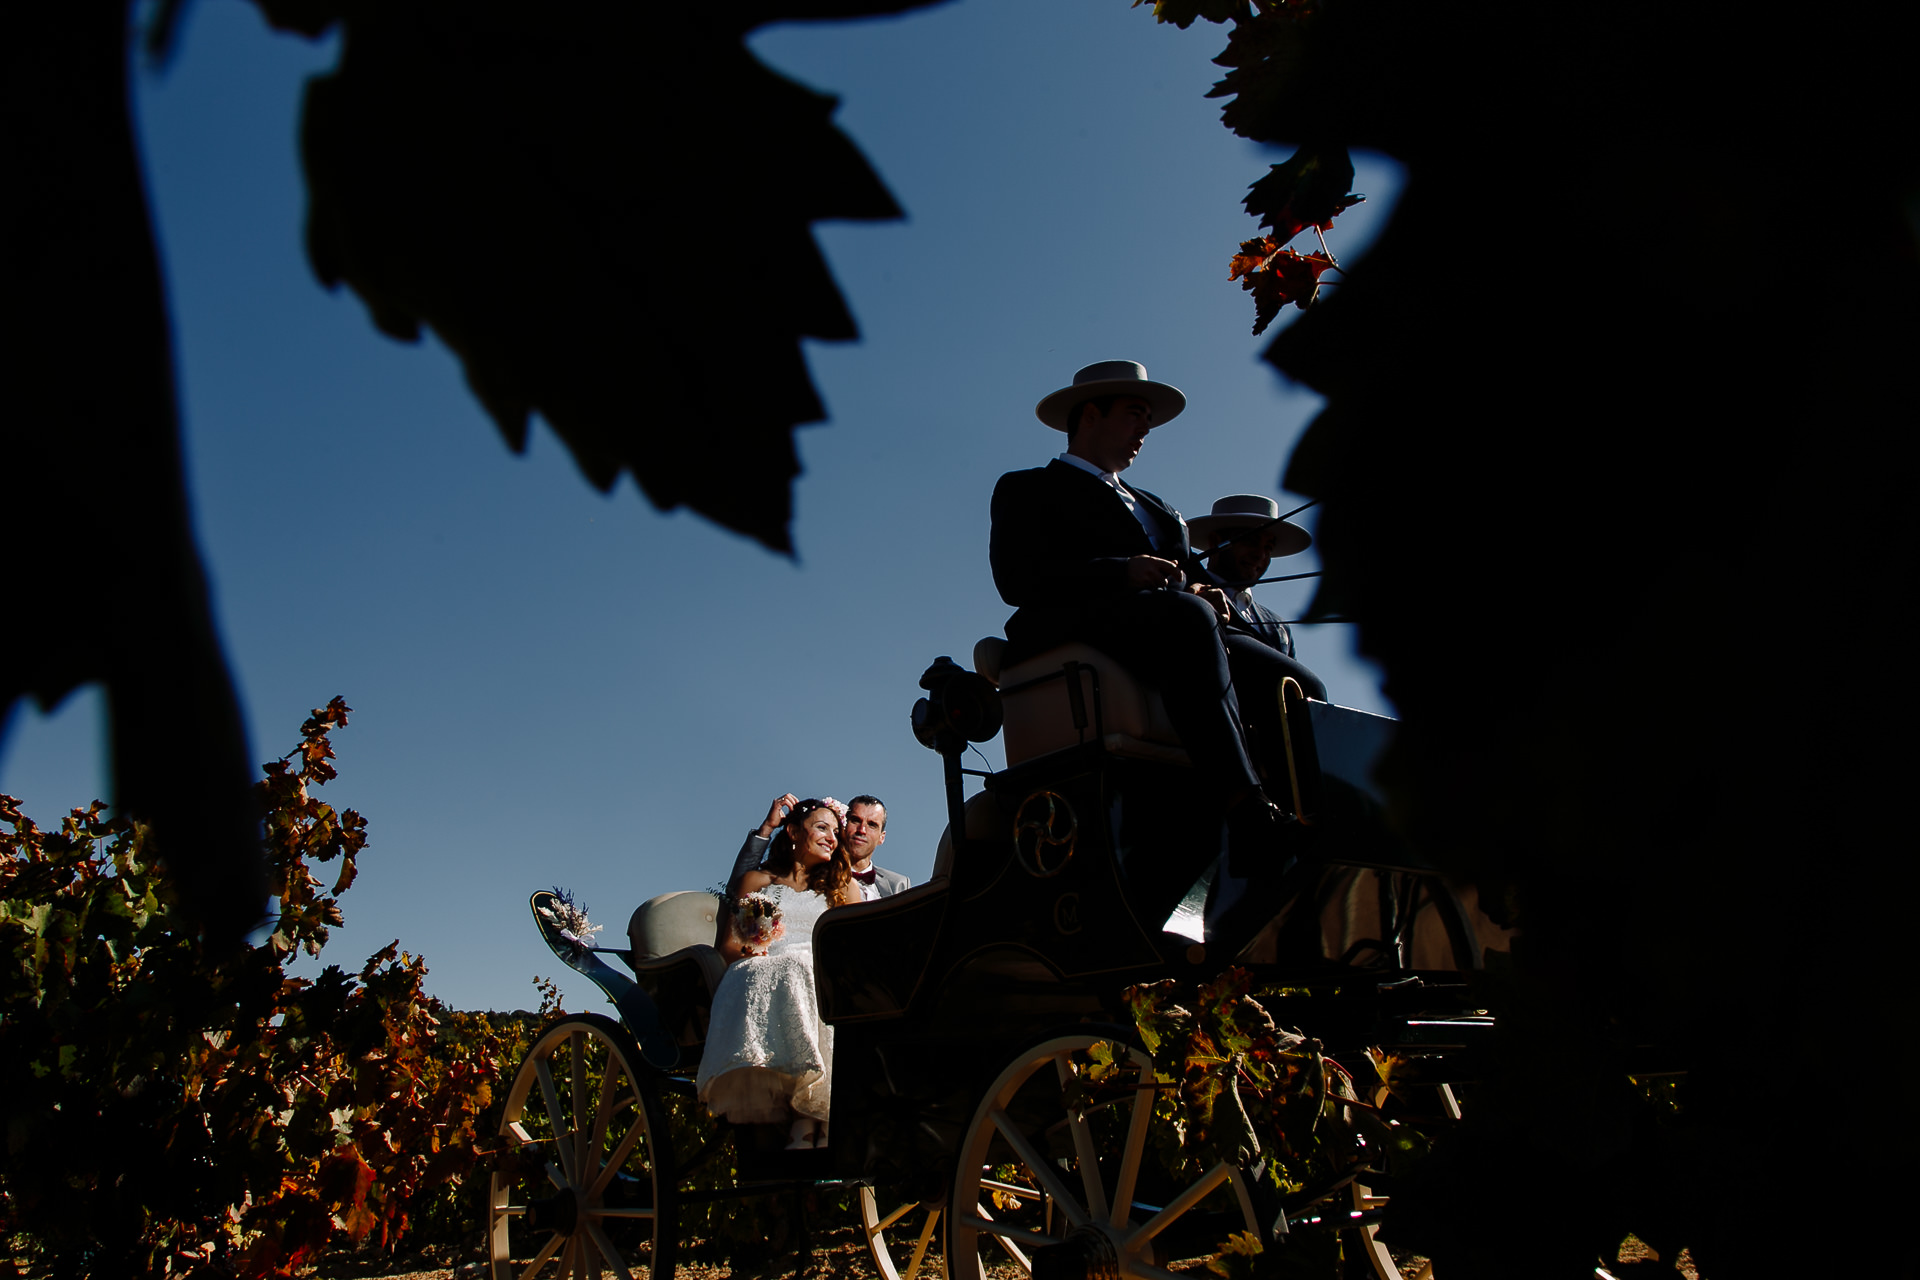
[969, 1012]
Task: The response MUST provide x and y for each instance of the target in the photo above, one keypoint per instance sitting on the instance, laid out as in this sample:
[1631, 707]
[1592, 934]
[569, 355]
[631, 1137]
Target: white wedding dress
[768, 1054]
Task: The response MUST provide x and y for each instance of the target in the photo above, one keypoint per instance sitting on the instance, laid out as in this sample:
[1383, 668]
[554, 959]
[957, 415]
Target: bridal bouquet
[756, 922]
[569, 919]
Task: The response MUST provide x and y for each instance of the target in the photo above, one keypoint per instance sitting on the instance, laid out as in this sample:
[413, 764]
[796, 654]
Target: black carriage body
[1075, 876]
[1097, 864]
[1070, 878]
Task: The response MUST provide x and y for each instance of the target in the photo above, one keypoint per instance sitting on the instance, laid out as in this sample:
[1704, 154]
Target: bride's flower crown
[839, 810]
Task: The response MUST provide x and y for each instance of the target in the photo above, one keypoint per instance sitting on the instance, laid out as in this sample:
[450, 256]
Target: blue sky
[554, 686]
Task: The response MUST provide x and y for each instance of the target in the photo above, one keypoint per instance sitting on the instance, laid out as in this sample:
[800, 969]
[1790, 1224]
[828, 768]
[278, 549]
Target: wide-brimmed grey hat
[1111, 378]
[1247, 511]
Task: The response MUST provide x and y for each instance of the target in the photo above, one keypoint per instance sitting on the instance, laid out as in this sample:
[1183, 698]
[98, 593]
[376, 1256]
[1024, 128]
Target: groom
[866, 831]
[863, 831]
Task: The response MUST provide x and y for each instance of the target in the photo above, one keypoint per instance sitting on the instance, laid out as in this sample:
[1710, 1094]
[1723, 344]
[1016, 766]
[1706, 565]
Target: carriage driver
[1082, 555]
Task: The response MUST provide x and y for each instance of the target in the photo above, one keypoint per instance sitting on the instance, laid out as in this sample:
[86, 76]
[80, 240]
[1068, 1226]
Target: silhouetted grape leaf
[1253, 255]
[1183, 13]
[1277, 276]
[1309, 190]
[561, 194]
[1266, 55]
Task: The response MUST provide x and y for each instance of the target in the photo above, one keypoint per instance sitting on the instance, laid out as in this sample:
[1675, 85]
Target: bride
[768, 1054]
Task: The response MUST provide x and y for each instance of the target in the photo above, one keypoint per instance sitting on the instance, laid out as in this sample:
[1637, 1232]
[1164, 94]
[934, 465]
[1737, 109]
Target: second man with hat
[1245, 534]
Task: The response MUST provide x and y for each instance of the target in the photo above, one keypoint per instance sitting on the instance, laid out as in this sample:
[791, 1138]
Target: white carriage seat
[676, 928]
[1039, 721]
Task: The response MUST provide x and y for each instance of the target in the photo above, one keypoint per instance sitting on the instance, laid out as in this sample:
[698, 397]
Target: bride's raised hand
[777, 814]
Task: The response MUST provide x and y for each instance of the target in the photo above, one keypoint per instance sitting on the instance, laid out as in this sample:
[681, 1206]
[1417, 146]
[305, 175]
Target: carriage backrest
[663, 925]
[1039, 707]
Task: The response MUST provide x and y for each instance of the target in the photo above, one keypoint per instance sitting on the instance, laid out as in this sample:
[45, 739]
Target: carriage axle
[559, 1213]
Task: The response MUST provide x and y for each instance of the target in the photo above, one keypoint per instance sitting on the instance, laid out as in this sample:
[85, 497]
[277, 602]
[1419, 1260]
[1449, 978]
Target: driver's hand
[1215, 597]
[1145, 572]
[777, 814]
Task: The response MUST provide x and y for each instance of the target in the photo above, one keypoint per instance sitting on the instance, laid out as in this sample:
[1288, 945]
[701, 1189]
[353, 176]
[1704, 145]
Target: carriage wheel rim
[919, 1222]
[1080, 1196]
[601, 1086]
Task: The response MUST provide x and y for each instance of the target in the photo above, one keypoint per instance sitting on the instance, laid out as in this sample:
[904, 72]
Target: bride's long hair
[834, 877]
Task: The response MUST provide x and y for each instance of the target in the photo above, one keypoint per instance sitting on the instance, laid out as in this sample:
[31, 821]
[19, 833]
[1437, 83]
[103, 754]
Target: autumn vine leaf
[1276, 276]
[1309, 190]
[1253, 256]
[1311, 187]
[258, 1118]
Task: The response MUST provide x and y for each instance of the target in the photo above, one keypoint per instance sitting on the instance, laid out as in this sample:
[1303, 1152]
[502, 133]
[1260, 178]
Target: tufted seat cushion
[1039, 720]
[673, 959]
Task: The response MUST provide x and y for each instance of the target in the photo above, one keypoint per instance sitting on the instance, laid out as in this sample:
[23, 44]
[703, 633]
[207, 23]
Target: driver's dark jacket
[1263, 624]
[1062, 539]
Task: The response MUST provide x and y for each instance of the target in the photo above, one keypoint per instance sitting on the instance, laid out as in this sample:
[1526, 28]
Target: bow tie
[864, 877]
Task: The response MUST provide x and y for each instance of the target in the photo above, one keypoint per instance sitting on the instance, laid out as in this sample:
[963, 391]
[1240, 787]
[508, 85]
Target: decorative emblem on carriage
[1044, 832]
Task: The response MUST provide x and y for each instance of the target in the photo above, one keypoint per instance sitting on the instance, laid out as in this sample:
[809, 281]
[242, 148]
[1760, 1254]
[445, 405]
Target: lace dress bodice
[800, 909]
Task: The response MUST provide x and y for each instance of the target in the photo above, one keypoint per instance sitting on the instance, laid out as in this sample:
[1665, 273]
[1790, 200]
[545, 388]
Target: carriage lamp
[961, 706]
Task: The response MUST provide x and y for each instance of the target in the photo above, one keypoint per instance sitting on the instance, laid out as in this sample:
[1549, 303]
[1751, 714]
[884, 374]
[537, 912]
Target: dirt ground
[839, 1255]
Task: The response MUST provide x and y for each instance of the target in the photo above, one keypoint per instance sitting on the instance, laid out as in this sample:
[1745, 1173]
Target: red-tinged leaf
[343, 1178]
[263, 1257]
[1289, 277]
[305, 1226]
[358, 1221]
[1310, 190]
[1252, 256]
[448, 1163]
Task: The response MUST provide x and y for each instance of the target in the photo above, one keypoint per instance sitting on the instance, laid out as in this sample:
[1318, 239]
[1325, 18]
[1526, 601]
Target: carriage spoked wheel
[902, 1235]
[586, 1190]
[1040, 1170]
[1366, 1236]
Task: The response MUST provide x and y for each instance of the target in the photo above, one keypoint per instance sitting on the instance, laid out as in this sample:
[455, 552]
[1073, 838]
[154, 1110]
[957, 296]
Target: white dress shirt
[1112, 481]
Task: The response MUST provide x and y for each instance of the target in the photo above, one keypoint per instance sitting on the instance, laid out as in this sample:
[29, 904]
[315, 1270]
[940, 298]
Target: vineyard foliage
[1306, 192]
[1235, 1086]
[1238, 1087]
[174, 1109]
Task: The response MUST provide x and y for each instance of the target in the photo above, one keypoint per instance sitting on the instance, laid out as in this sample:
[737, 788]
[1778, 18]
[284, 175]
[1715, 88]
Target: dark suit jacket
[1263, 624]
[1061, 539]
